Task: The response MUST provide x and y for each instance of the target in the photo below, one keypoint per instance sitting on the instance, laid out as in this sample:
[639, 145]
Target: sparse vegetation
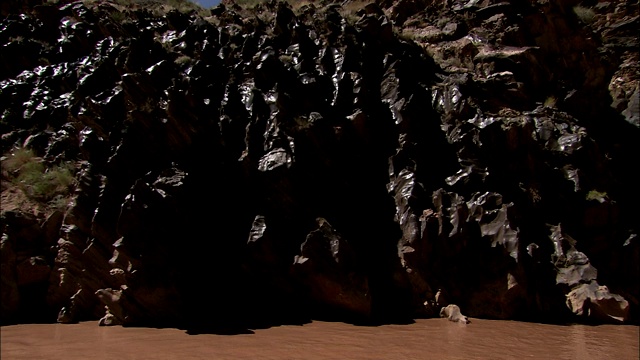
[440, 23]
[286, 58]
[184, 6]
[247, 4]
[585, 15]
[550, 102]
[117, 16]
[182, 60]
[407, 34]
[349, 11]
[15, 160]
[158, 6]
[597, 195]
[48, 185]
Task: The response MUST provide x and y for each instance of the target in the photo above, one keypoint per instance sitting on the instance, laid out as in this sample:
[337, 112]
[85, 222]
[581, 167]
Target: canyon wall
[365, 162]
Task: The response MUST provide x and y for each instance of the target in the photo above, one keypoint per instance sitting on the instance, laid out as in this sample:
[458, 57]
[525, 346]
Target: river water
[424, 339]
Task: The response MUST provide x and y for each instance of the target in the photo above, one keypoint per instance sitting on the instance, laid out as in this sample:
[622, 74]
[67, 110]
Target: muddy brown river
[424, 339]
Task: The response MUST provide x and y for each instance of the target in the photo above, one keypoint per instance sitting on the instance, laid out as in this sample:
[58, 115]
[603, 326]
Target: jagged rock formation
[252, 167]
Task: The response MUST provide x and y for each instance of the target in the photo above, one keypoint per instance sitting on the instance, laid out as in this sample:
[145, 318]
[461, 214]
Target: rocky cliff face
[253, 166]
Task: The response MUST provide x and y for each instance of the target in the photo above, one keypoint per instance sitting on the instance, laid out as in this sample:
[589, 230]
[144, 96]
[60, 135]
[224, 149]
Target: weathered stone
[109, 319]
[597, 303]
[452, 312]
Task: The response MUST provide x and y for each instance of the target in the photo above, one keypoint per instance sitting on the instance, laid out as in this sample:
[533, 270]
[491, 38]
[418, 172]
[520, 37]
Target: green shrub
[585, 15]
[51, 185]
[182, 60]
[16, 159]
[184, 6]
[597, 195]
[248, 4]
[46, 184]
[550, 102]
[118, 16]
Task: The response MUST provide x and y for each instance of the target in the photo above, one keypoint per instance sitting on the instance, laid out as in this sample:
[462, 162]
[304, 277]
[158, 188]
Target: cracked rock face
[242, 167]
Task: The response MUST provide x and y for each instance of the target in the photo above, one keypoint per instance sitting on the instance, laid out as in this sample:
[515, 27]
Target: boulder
[598, 304]
[452, 312]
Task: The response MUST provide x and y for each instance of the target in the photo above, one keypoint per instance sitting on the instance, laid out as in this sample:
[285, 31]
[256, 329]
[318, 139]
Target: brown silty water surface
[424, 339]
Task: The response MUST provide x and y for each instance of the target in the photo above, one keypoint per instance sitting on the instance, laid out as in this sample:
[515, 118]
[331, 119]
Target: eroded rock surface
[244, 167]
[452, 312]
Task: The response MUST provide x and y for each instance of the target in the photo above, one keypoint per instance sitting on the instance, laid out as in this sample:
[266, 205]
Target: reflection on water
[425, 339]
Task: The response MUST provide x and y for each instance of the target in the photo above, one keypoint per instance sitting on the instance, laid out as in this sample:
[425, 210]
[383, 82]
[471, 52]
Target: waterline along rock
[259, 164]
